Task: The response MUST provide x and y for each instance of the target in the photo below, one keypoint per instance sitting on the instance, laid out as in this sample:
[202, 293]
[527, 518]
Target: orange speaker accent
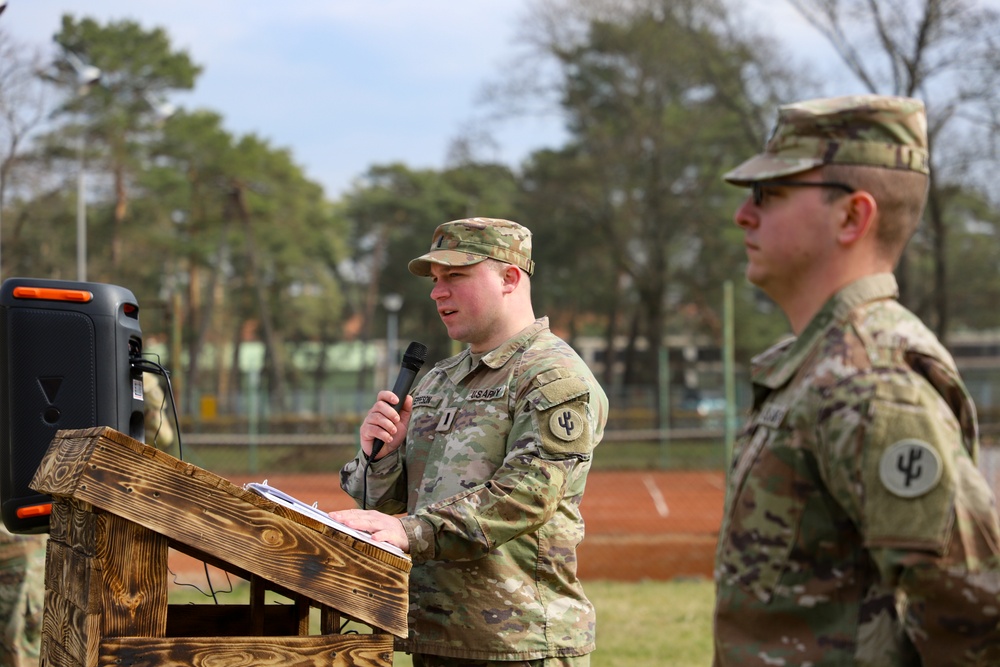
[50, 294]
[32, 511]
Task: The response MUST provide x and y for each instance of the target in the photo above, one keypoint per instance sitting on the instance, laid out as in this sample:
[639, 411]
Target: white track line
[654, 493]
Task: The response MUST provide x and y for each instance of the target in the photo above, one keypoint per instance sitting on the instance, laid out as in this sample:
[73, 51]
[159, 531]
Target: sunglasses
[757, 187]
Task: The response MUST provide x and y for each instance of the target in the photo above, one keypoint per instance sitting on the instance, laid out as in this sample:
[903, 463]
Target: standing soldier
[488, 460]
[22, 596]
[857, 527]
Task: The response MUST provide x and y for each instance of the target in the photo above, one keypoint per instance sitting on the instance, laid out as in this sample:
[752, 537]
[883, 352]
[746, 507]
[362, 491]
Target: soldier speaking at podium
[488, 459]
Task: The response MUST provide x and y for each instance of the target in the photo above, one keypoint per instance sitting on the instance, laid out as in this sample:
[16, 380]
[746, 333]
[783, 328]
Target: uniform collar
[462, 364]
[775, 367]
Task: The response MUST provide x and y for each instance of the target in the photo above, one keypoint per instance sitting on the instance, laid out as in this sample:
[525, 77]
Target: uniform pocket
[765, 516]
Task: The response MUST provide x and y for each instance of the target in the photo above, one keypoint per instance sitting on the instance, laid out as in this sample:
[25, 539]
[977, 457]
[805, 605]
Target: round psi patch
[910, 468]
[566, 424]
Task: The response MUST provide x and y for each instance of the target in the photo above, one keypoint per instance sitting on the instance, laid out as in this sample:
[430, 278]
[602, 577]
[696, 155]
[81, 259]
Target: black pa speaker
[64, 364]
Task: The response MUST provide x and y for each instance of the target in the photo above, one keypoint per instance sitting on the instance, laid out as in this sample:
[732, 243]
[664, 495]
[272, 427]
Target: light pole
[86, 76]
[81, 216]
[392, 304]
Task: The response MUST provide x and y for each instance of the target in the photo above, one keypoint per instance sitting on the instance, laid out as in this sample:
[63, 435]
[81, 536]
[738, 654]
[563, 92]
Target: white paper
[285, 500]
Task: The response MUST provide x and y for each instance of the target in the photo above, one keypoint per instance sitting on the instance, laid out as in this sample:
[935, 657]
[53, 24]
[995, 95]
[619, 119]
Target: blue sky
[344, 84]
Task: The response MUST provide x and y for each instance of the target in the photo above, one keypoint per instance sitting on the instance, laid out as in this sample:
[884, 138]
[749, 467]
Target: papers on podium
[285, 500]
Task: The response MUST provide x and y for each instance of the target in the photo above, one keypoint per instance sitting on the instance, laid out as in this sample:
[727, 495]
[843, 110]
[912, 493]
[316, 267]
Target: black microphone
[413, 359]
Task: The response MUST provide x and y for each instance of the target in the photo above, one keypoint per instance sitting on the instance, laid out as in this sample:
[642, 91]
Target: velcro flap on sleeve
[559, 391]
[561, 413]
[908, 472]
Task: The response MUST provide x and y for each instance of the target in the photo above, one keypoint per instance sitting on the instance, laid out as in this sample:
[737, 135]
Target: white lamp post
[86, 76]
[392, 304]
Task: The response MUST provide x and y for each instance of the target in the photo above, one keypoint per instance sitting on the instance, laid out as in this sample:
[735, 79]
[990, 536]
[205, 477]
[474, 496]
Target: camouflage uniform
[491, 477]
[22, 596]
[857, 529]
[159, 432]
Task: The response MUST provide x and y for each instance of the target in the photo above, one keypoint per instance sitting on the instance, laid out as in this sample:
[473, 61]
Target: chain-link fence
[321, 434]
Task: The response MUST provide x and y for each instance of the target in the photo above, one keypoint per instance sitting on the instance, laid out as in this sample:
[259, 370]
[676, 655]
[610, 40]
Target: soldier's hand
[382, 527]
[383, 423]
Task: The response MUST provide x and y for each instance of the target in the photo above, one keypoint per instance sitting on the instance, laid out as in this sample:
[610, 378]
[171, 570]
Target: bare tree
[946, 52]
[22, 107]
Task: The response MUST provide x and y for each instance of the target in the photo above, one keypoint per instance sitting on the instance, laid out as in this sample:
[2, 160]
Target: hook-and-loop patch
[561, 406]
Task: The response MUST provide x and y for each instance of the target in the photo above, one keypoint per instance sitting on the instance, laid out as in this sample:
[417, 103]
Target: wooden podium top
[209, 515]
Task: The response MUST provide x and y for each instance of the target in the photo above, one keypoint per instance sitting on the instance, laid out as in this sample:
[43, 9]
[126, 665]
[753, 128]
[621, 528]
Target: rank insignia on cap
[910, 468]
[566, 424]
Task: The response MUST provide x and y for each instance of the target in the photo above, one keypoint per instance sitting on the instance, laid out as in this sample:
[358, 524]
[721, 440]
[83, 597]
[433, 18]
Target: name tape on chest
[488, 394]
[910, 468]
[772, 415]
[424, 401]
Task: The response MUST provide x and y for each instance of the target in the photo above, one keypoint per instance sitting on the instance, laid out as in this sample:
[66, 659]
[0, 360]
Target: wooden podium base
[120, 505]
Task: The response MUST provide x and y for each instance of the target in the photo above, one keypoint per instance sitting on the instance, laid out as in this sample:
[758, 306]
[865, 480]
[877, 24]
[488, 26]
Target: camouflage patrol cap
[470, 241]
[871, 130]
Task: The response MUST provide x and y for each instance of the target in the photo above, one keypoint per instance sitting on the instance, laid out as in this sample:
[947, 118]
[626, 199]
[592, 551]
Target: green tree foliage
[225, 240]
[228, 239]
[392, 212]
[660, 98]
[973, 258]
[115, 116]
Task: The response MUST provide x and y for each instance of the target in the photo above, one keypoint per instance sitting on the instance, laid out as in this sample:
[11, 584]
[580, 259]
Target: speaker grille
[52, 384]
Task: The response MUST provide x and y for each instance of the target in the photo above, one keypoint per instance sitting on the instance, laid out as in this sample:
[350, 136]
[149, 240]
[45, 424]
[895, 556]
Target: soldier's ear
[859, 213]
[510, 278]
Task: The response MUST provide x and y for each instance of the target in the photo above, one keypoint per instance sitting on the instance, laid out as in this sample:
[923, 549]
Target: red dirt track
[640, 525]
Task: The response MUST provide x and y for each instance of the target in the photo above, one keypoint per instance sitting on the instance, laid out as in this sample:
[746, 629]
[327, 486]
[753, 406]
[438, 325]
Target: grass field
[647, 624]
[652, 623]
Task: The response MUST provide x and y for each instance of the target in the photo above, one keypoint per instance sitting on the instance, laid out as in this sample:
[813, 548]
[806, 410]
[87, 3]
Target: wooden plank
[257, 592]
[329, 621]
[317, 651]
[71, 623]
[76, 633]
[60, 468]
[73, 575]
[195, 507]
[302, 612]
[231, 569]
[133, 563]
[122, 579]
[77, 525]
[54, 655]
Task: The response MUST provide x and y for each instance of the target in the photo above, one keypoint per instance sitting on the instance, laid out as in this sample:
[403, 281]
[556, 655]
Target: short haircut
[901, 196]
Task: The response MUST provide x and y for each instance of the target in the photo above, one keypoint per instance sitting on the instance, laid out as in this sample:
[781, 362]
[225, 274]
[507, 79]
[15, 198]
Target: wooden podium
[119, 505]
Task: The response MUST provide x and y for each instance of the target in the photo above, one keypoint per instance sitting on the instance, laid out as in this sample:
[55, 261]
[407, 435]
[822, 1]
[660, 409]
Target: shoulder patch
[910, 468]
[565, 429]
[567, 423]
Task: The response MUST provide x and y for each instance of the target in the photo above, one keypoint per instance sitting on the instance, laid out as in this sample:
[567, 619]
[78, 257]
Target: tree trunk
[939, 241]
[272, 348]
